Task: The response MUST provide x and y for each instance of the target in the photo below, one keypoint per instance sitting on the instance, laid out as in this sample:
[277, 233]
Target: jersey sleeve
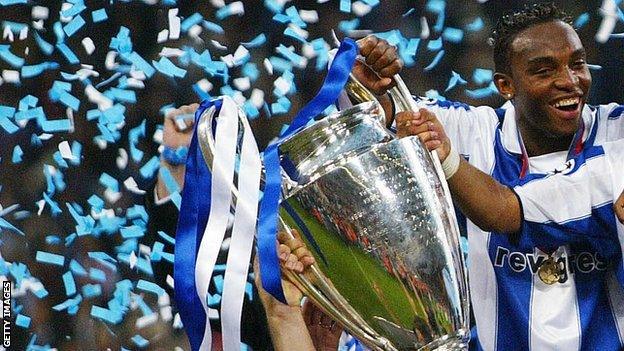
[611, 119]
[470, 129]
[571, 208]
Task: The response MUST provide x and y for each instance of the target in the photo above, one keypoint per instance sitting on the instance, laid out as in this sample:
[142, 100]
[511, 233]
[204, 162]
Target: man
[541, 71]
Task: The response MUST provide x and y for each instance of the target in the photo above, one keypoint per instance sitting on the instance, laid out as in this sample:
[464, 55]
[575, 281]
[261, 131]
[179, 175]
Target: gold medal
[549, 272]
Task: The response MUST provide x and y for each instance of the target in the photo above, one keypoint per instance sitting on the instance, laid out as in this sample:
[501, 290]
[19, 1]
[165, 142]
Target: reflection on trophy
[375, 213]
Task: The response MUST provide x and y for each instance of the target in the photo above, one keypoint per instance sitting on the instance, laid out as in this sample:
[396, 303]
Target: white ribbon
[241, 245]
[221, 197]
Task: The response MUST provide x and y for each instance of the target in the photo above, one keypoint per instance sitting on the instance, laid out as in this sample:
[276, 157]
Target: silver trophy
[380, 223]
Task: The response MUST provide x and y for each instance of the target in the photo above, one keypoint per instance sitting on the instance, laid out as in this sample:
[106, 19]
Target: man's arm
[619, 208]
[487, 203]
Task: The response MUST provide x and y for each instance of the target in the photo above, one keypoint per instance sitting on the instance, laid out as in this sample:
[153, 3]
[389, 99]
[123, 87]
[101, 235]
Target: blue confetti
[482, 76]
[10, 58]
[91, 290]
[435, 61]
[453, 35]
[213, 27]
[99, 15]
[475, 25]
[166, 67]
[74, 26]
[22, 321]
[59, 125]
[140, 341]
[194, 19]
[594, 67]
[17, 154]
[4, 224]
[345, 6]
[434, 45]
[581, 20]
[150, 287]
[67, 53]
[97, 274]
[109, 182]
[166, 237]
[149, 168]
[455, 79]
[70, 284]
[50, 258]
[132, 232]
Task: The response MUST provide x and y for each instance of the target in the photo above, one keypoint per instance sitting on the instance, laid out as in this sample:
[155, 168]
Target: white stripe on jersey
[554, 328]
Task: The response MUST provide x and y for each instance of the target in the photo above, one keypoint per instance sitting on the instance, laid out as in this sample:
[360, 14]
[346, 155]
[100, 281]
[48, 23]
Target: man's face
[550, 78]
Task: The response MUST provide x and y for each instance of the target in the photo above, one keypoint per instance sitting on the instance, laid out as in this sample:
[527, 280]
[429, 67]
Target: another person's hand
[382, 62]
[177, 132]
[619, 208]
[424, 124]
[324, 331]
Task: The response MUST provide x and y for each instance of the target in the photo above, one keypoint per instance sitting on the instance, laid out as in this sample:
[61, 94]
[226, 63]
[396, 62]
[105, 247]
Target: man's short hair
[510, 25]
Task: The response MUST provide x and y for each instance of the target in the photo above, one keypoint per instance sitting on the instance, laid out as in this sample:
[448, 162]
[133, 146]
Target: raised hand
[424, 124]
[177, 132]
[382, 62]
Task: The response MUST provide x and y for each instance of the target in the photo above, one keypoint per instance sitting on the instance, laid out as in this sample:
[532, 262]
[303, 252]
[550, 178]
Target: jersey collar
[512, 140]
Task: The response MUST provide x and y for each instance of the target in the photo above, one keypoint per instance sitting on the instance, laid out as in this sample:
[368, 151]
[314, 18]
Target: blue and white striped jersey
[513, 308]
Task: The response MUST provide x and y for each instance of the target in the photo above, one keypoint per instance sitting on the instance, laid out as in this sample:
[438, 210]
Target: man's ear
[505, 86]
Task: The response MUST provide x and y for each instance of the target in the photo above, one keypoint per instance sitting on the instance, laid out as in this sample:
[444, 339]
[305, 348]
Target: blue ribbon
[190, 231]
[335, 80]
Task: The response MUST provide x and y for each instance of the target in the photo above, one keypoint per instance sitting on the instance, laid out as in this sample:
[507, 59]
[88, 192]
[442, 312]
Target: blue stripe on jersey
[616, 113]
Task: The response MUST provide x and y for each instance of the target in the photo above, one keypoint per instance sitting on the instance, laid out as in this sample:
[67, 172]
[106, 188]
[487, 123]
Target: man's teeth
[567, 102]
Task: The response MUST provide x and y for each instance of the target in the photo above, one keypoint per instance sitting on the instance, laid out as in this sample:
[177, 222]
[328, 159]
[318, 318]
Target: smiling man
[541, 70]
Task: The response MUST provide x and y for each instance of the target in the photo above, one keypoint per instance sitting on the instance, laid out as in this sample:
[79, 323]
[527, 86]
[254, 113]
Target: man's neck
[537, 142]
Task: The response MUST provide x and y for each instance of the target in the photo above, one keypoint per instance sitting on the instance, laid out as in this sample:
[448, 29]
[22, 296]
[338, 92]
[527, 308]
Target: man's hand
[177, 132]
[424, 124]
[324, 331]
[619, 208]
[382, 62]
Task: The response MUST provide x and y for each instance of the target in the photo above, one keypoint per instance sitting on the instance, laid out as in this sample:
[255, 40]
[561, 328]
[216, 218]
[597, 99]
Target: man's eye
[544, 71]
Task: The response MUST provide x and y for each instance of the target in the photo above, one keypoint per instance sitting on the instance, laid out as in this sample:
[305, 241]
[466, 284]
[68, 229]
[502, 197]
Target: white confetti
[23, 34]
[609, 20]
[241, 53]
[257, 98]
[10, 76]
[217, 3]
[146, 321]
[166, 313]
[122, 159]
[38, 25]
[205, 85]
[7, 34]
[242, 83]
[111, 195]
[163, 35]
[132, 186]
[65, 150]
[174, 24]
[133, 260]
[88, 45]
[282, 85]
[360, 9]
[237, 8]
[218, 45]
[140, 75]
[109, 62]
[40, 12]
[40, 205]
[268, 66]
[171, 52]
[309, 16]
[301, 32]
[98, 98]
[424, 32]
[195, 31]
[170, 281]
[177, 321]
